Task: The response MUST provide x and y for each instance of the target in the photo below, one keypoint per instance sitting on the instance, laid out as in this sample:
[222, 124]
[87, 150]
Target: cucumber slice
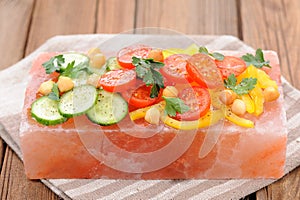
[109, 109]
[45, 111]
[77, 101]
[112, 64]
[77, 57]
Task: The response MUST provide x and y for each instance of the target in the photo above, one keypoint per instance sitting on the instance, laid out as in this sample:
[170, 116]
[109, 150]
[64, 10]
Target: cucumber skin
[44, 121]
[80, 113]
[112, 64]
[109, 123]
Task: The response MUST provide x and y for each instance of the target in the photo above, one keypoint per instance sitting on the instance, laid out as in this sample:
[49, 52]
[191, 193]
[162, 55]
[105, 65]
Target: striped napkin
[12, 88]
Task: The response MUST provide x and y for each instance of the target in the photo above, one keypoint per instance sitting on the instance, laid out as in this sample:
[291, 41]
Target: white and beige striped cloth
[13, 83]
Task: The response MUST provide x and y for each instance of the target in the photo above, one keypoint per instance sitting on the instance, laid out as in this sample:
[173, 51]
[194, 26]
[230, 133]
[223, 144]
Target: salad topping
[183, 88]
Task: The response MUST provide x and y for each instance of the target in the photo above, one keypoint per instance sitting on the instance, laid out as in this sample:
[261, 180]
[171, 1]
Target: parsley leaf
[258, 60]
[215, 55]
[174, 105]
[54, 64]
[246, 85]
[146, 70]
[73, 71]
[54, 95]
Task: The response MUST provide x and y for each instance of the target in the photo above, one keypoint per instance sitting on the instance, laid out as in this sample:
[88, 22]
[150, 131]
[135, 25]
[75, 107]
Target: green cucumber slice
[77, 57]
[112, 64]
[45, 111]
[77, 101]
[109, 109]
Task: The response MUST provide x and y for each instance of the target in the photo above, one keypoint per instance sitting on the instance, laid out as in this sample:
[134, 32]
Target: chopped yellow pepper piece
[229, 115]
[250, 107]
[140, 113]
[190, 50]
[211, 117]
[258, 98]
[264, 79]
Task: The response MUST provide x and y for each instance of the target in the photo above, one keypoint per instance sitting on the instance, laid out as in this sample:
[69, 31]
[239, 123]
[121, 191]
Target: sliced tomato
[175, 68]
[125, 55]
[198, 99]
[203, 70]
[231, 65]
[118, 80]
[139, 96]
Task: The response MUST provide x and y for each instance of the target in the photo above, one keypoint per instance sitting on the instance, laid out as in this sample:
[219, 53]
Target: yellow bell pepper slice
[141, 112]
[251, 71]
[264, 80]
[214, 96]
[190, 50]
[258, 98]
[229, 115]
[211, 117]
[250, 107]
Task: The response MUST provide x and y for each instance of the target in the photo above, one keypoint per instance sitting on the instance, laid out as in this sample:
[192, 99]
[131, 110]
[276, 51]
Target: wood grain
[115, 16]
[14, 184]
[189, 16]
[55, 17]
[2, 152]
[275, 25]
[285, 189]
[14, 24]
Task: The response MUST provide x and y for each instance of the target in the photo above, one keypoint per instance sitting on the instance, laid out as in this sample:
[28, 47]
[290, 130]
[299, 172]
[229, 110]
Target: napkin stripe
[178, 188]
[218, 189]
[141, 185]
[89, 187]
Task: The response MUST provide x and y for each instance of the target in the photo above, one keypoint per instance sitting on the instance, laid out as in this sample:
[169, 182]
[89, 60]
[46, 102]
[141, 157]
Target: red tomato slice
[175, 68]
[231, 65]
[118, 80]
[125, 55]
[203, 70]
[198, 99]
[139, 96]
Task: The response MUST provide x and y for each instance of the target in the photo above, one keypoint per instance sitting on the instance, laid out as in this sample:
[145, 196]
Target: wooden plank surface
[56, 17]
[270, 24]
[189, 16]
[14, 25]
[115, 16]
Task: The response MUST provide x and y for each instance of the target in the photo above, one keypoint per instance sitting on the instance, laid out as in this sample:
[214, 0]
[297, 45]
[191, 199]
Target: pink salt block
[81, 149]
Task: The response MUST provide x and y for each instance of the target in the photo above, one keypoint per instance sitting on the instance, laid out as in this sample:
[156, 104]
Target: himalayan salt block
[80, 149]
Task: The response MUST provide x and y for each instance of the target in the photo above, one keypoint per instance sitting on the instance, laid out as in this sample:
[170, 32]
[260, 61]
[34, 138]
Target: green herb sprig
[174, 105]
[54, 94]
[54, 64]
[146, 69]
[215, 55]
[258, 60]
[246, 85]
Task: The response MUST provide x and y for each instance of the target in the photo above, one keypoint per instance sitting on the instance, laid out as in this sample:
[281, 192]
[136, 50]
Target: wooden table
[26, 24]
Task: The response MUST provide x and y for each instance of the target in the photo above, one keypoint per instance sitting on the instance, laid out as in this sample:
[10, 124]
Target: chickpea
[156, 54]
[98, 60]
[93, 51]
[170, 91]
[65, 84]
[93, 79]
[271, 94]
[238, 107]
[227, 97]
[152, 116]
[46, 87]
